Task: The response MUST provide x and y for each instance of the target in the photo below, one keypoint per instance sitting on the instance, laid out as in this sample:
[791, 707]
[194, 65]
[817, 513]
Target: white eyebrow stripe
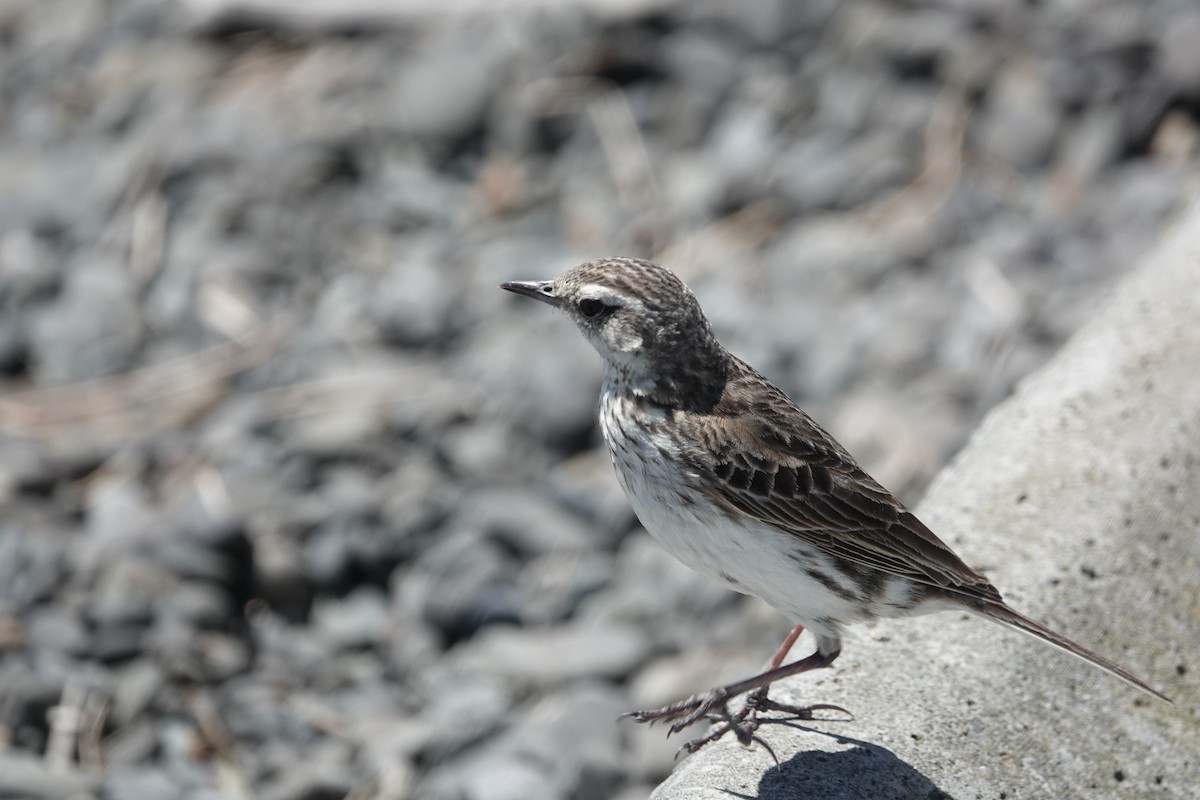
[607, 295]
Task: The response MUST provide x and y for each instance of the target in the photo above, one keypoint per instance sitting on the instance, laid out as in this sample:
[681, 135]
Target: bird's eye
[591, 308]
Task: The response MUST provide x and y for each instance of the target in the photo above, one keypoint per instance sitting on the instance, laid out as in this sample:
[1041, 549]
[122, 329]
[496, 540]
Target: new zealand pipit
[735, 481]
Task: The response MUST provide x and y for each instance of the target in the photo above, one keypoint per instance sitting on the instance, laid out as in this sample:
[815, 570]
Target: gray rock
[550, 397]
[461, 709]
[137, 687]
[350, 491]
[416, 495]
[587, 482]
[24, 775]
[762, 22]
[826, 172]
[523, 521]
[441, 93]
[358, 620]
[282, 573]
[67, 184]
[1177, 53]
[26, 466]
[551, 655]
[699, 667]
[485, 450]
[202, 605]
[698, 58]
[29, 268]
[118, 516]
[917, 41]
[652, 586]
[133, 743]
[1092, 144]
[189, 558]
[742, 139]
[462, 583]
[327, 556]
[568, 745]
[92, 329]
[321, 772]
[140, 783]
[58, 629]
[552, 587]
[969, 61]
[112, 644]
[498, 777]
[1021, 121]
[127, 591]
[415, 303]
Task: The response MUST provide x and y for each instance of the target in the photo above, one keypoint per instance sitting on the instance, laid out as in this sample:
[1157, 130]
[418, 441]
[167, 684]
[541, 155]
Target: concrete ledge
[1080, 497]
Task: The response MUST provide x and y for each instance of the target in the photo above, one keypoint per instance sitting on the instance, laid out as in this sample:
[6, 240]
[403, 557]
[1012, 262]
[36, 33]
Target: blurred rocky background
[295, 504]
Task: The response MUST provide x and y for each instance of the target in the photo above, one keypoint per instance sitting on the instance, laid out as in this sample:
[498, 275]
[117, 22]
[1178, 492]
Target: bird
[737, 482]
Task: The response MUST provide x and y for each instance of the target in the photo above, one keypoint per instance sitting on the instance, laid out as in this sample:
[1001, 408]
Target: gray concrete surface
[1078, 496]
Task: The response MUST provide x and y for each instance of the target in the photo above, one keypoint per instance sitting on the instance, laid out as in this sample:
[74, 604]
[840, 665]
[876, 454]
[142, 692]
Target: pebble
[137, 687]
[22, 774]
[438, 94]
[523, 521]
[1180, 59]
[408, 304]
[1022, 120]
[140, 783]
[551, 655]
[57, 629]
[314, 775]
[461, 584]
[358, 620]
[566, 745]
[550, 398]
[481, 451]
[91, 331]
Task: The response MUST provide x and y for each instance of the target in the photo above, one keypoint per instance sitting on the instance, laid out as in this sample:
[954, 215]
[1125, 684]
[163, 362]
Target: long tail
[1001, 613]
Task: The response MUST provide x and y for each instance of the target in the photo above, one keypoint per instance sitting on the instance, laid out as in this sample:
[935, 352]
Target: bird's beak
[538, 290]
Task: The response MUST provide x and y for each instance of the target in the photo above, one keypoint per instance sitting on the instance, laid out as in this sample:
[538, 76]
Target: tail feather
[1001, 613]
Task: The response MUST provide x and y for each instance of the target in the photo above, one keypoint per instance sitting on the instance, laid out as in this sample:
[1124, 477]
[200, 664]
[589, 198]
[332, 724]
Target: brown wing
[777, 465]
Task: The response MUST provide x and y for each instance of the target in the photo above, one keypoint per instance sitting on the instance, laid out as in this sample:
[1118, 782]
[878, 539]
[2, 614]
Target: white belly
[746, 556]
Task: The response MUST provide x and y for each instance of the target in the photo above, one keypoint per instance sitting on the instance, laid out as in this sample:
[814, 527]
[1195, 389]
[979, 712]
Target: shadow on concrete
[862, 770]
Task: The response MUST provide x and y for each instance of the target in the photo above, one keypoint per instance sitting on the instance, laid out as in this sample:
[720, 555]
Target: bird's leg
[786, 647]
[714, 704]
[757, 700]
[745, 722]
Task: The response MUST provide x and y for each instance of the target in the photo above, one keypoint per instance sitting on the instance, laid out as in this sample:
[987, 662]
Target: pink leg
[786, 647]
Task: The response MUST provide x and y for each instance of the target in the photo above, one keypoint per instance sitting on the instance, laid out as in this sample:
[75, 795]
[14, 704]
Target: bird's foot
[759, 701]
[714, 707]
[743, 725]
[710, 705]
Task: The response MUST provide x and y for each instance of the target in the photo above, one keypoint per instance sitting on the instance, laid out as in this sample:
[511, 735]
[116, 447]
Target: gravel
[296, 504]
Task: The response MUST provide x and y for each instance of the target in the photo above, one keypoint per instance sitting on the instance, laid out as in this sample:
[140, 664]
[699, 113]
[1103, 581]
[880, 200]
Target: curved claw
[765, 703]
[743, 724]
[768, 748]
[831, 707]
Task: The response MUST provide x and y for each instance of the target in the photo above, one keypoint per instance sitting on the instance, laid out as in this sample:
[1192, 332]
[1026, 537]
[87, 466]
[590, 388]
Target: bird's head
[643, 320]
